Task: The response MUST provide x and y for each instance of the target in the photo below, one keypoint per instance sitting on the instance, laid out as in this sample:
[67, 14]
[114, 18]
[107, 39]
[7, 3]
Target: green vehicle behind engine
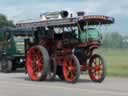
[12, 48]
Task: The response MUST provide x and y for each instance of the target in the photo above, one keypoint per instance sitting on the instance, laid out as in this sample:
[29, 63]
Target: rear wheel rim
[97, 69]
[70, 69]
[35, 63]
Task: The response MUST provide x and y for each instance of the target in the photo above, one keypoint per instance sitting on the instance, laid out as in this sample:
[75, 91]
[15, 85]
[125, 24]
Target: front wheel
[97, 68]
[71, 69]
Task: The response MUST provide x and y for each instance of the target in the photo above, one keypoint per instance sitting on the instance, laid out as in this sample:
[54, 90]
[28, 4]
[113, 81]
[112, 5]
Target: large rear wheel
[37, 63]
[97, 68]
[71, 69]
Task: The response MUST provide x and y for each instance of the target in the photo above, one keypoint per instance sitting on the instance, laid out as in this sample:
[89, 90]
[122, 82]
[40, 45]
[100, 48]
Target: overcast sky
[20, 10]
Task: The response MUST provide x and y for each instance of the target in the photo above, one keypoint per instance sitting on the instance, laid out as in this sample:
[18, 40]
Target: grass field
[116, 61]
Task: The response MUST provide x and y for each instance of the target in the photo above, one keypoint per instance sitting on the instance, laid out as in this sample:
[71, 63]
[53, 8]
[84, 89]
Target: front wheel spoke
[94, 73]
[101, 66]
[98, 67]
[100, 62]
[94, 61]
[97, 61]
[93, 70]
[97, 73]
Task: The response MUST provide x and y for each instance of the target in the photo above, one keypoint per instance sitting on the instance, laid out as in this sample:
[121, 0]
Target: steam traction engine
[63, 46]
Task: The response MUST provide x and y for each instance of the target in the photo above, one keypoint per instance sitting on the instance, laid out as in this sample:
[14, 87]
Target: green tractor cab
[12, 48]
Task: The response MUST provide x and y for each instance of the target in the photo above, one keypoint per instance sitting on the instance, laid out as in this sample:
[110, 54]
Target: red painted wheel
[97, 68]
[37, 63]
[71, 69]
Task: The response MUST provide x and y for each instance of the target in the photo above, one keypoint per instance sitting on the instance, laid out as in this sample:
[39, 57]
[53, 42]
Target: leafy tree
[4, 22]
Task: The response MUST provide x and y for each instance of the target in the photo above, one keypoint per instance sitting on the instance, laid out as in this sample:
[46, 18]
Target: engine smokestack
[64, 14]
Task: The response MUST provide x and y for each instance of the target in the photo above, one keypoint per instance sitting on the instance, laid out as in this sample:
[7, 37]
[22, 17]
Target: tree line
[115, 40]
[4, 22]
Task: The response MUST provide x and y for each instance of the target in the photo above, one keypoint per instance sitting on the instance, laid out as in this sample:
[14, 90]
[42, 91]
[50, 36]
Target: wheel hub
[71, 68]
[97, 67]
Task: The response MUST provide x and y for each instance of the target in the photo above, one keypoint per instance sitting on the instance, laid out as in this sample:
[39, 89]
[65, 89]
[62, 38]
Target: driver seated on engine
[69, 38]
